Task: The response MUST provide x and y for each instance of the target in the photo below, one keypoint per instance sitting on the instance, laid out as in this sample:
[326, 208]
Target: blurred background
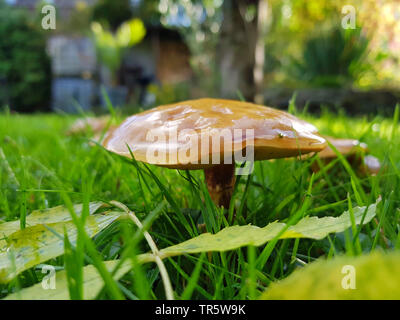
[140, 53]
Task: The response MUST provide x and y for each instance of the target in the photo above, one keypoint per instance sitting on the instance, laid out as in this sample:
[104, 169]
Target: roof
[272, 133]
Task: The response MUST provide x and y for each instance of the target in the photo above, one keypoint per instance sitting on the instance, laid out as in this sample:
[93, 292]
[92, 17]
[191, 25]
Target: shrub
[333, 59]
[112, 13]
[111, 47]
[24, 63]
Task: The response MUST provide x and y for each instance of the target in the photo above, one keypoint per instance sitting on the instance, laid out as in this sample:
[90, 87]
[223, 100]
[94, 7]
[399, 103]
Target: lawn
[41, 167]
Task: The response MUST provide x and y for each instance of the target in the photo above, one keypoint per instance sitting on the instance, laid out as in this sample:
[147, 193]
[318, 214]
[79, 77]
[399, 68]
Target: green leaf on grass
[92, 283]
[376, 276]
[239, 236]
[92, 286]
[39, 243]
[228, 239]
[46, 216]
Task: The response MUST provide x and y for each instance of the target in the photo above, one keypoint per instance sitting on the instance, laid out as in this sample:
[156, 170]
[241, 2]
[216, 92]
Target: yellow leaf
[130, 33]
[374, 276]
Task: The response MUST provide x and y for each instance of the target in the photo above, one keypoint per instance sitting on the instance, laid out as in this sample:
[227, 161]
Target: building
[74, 67]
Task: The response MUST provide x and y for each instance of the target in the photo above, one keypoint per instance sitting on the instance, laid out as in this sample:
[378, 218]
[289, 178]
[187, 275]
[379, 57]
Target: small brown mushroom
[210, 134]
[371, 165]
[93, 125]
[346, 147]
[353, 150]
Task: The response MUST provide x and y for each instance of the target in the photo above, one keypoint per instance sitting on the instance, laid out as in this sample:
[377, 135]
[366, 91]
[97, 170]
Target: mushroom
[353, 150]
[346, 147]
[93, 125]
[210, 134]
[371, 165]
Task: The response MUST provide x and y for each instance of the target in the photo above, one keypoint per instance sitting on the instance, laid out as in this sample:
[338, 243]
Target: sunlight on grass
[41, 167]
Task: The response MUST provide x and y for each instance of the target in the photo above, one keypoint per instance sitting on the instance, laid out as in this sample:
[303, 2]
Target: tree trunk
[241, 48]
[262, 24]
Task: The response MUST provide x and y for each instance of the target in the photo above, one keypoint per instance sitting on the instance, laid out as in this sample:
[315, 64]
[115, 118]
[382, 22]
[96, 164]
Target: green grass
[41, 167]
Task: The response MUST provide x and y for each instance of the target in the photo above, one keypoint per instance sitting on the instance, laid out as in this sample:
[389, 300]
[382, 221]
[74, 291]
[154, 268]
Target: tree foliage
[111, 12]
[24, 63]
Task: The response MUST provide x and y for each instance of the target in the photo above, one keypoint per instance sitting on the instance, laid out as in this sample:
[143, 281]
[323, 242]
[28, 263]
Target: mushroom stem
[220, 181]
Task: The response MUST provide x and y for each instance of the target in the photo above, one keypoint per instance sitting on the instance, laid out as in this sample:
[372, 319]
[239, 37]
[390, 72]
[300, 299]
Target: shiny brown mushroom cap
[277, 134]
[345, 146]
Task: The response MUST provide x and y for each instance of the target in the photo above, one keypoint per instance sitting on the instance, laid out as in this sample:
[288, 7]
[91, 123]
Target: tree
[226, 38]
[241, 50]
[262, 24]
[112, 12]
